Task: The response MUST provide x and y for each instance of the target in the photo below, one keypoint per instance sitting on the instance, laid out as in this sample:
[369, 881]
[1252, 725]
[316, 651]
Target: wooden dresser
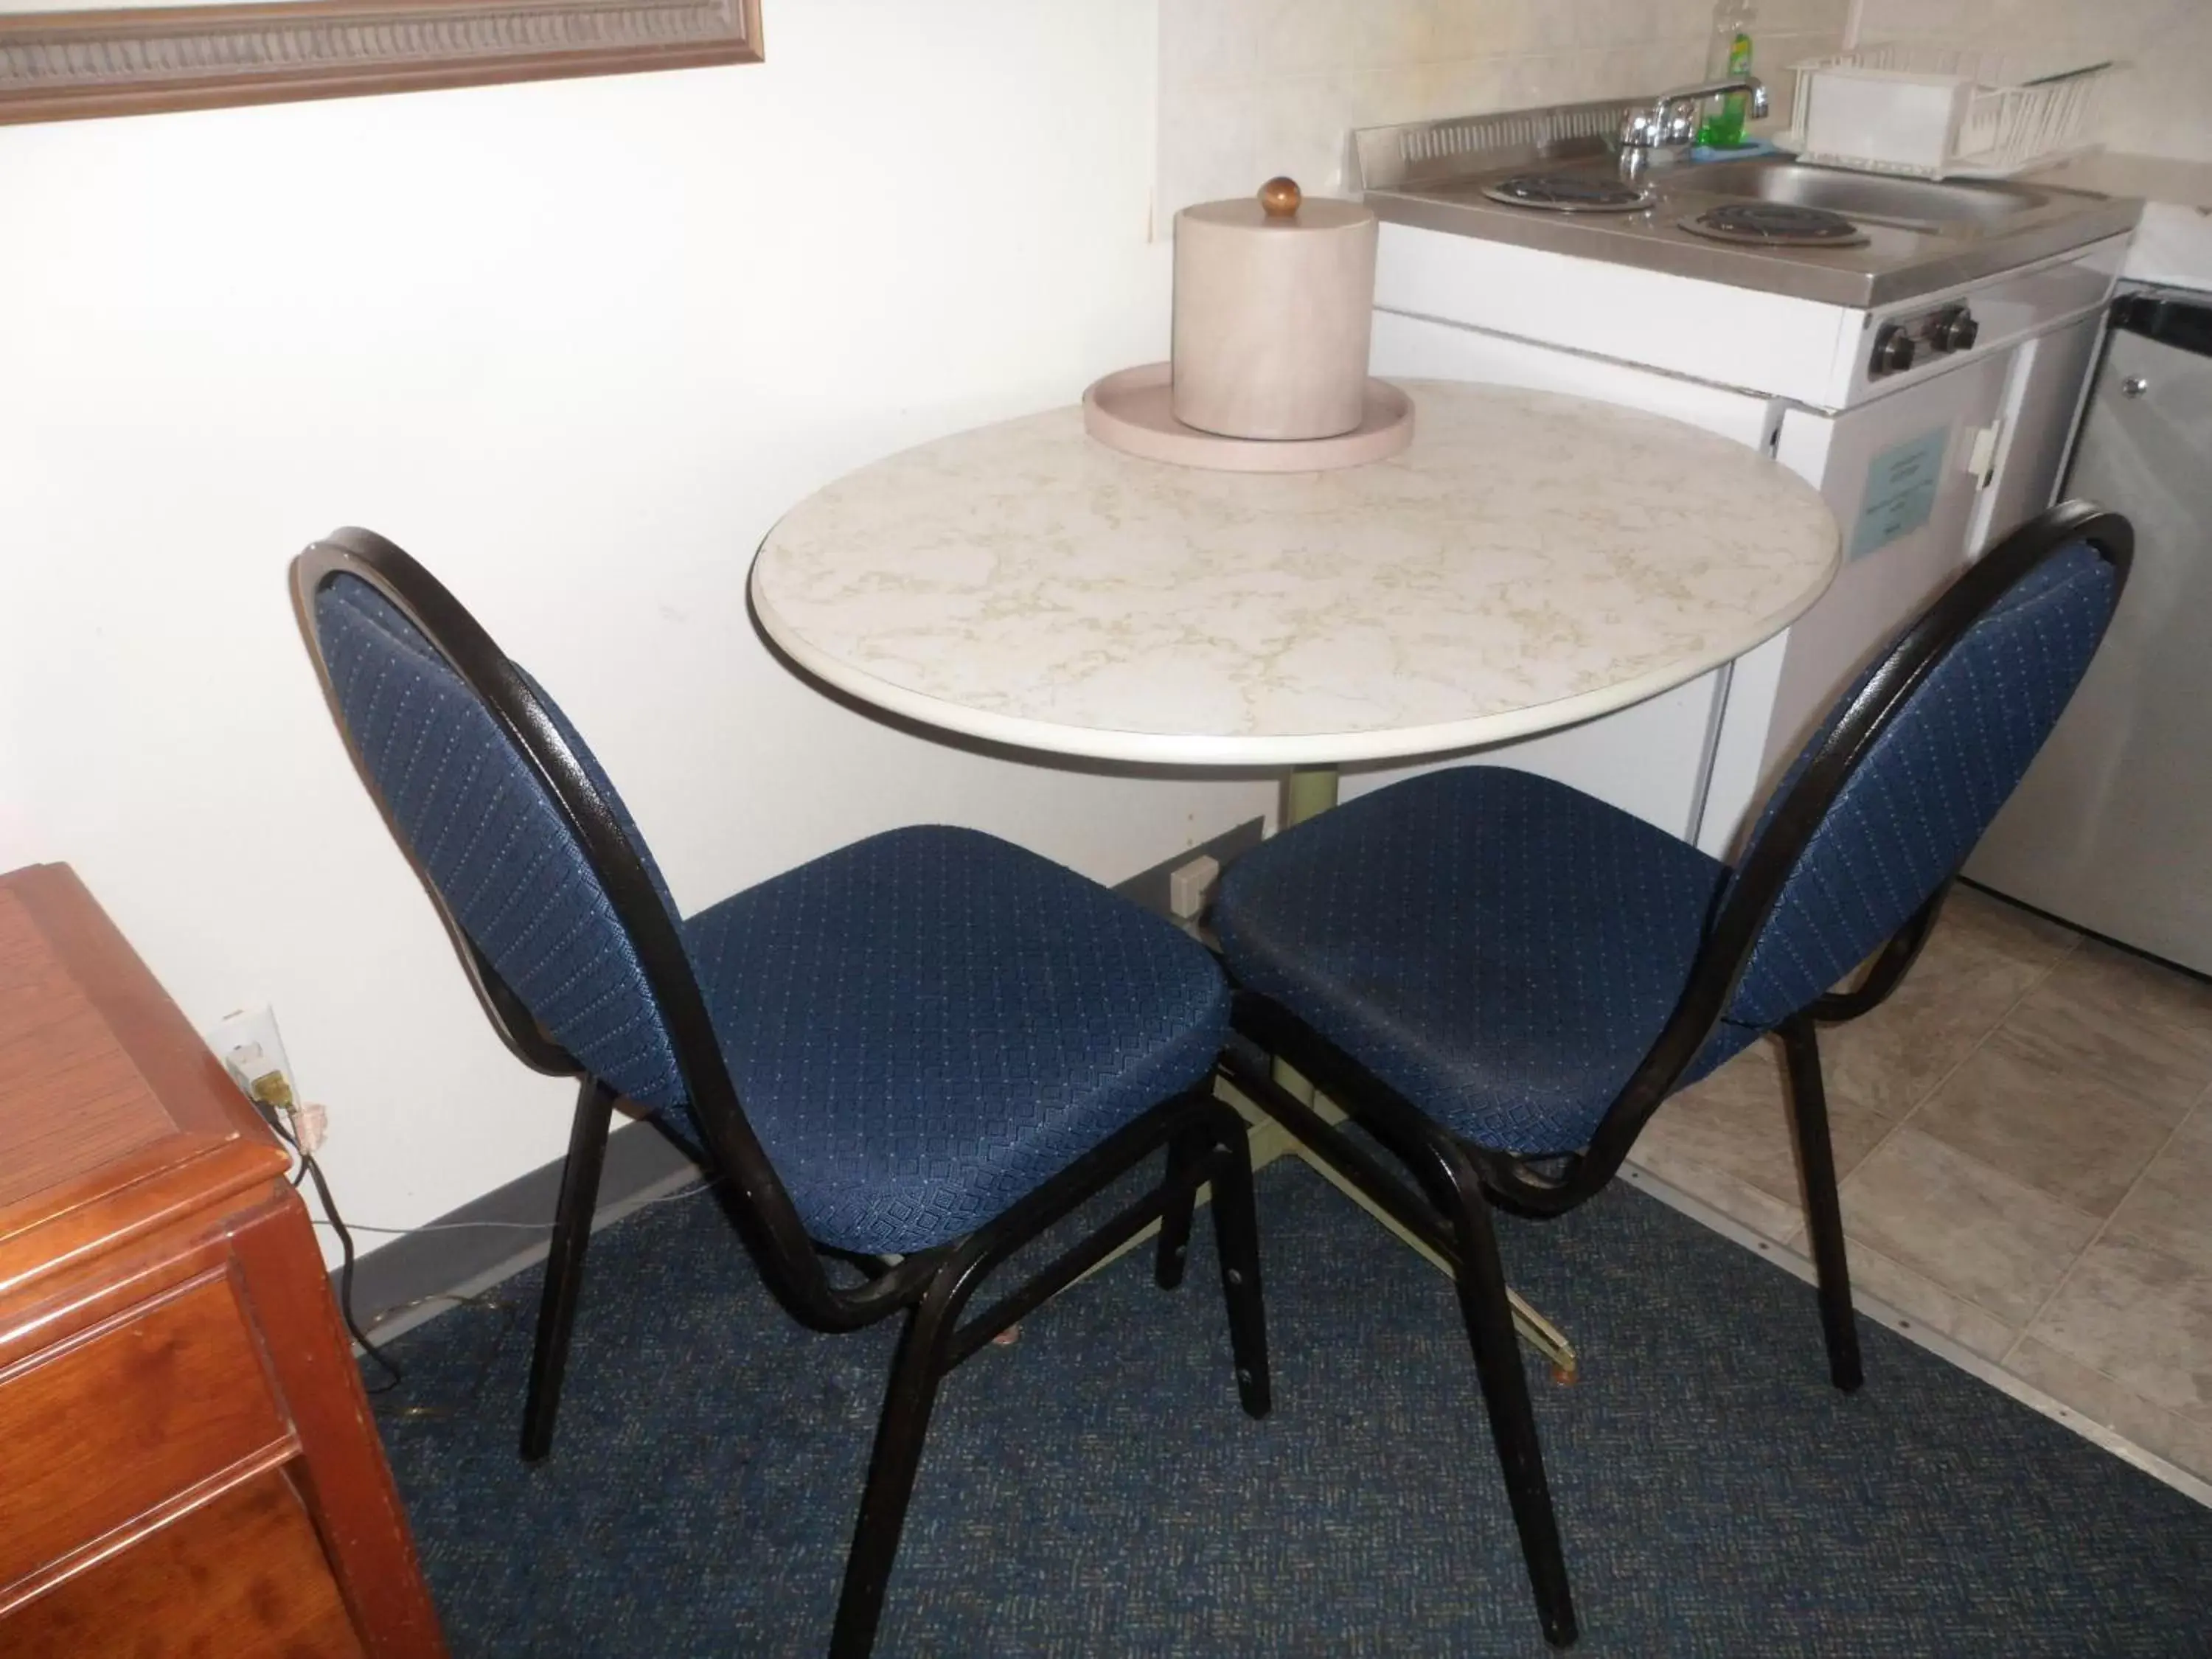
[188, 1462]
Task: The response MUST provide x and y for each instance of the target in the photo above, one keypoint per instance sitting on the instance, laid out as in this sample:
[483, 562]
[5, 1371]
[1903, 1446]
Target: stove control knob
[1893, 351]
[1956, 330]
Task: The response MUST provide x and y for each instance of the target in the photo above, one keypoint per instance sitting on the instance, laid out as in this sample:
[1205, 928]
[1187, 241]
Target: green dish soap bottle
[1728, 54]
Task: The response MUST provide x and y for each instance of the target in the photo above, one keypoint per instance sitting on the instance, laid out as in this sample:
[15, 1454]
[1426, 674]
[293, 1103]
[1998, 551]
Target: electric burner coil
[1570, 192]
[1776, 224]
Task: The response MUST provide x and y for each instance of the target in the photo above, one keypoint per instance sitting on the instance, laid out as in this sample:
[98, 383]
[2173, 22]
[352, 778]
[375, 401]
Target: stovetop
[1874, 239]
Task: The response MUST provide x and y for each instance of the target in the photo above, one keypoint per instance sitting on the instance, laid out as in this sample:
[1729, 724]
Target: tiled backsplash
[1250, 89]
[2160, 105]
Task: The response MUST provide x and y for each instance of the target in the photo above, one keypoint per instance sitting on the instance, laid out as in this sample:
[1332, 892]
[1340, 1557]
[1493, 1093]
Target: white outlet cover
[252, 1027]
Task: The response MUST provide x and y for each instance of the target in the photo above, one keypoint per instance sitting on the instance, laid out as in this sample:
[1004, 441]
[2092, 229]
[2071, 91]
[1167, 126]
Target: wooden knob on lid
[1281, 197]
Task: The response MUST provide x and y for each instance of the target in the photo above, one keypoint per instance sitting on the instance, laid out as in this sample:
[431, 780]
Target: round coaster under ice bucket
[1132, 411]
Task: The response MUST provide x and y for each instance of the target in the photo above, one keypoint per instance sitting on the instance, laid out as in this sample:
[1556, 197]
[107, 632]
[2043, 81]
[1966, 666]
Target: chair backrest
[1927, 780]
[489, 841]
[552, 900]
[1888, 796]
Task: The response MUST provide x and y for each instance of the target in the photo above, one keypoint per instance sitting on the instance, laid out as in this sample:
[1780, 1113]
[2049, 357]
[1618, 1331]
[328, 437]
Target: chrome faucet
[1671, 120]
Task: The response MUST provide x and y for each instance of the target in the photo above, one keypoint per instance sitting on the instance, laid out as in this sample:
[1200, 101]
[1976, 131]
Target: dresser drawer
[128, 1422]
[242, 1578]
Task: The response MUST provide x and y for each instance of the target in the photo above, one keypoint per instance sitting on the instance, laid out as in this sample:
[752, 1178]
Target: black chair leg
[1236, 1241]
[564, 1264]
[892, 1467]
[1185, 1150]
[1824, 1210]
[1489, 1315]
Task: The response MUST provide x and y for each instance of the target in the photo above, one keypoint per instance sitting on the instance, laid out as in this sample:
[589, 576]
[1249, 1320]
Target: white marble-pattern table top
[1531, 560]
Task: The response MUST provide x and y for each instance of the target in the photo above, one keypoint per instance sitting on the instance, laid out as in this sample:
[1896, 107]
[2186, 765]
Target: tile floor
[2024, 1134]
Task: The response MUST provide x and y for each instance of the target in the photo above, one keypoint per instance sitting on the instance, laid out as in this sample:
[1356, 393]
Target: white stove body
[1924, 467]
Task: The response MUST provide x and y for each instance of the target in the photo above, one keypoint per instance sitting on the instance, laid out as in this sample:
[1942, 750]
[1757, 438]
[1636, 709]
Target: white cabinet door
[1901, 474]
[2050, 379]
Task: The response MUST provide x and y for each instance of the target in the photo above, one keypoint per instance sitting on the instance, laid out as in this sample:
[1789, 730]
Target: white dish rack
[1932, 111]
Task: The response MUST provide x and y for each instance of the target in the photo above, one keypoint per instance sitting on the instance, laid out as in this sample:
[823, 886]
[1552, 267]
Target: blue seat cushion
[1500, 949]
[929, 1025]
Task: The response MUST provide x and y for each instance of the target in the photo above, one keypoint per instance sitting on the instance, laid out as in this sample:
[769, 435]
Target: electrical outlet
[251, 1050]
[247, 1042]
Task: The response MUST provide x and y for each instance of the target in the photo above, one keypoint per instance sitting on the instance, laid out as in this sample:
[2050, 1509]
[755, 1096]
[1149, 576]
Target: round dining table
[1529, 562]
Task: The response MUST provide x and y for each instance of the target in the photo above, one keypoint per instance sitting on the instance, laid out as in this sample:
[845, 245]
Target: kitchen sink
[1914, 203]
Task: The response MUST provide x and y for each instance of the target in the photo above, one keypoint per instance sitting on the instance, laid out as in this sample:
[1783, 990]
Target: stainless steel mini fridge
[2111, 829]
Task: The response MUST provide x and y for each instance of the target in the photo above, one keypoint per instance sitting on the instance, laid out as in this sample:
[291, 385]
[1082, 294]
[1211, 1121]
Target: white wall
[576, 345]
[2161, 102]
[1254, 88]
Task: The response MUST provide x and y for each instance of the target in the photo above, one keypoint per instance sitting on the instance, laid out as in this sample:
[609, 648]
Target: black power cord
[271, 1095]
[274, 1112]
[393, 1375]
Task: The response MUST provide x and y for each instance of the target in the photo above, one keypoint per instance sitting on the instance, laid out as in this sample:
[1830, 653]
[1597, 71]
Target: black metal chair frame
[1459, 1181]
[1204, 1137]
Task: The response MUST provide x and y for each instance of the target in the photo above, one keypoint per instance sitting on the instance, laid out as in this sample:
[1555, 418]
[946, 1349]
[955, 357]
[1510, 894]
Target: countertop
[1531, 560]
[2173, 242]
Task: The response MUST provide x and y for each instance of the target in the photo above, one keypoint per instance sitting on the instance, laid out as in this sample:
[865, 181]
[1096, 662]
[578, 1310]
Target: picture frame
[60, 66]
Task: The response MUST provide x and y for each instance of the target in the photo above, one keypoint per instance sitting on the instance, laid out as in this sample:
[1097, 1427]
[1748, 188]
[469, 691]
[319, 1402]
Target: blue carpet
[1092, 1489]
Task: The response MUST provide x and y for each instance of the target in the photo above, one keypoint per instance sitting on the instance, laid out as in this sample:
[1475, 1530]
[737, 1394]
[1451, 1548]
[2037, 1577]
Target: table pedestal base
[1270, 1141]
[1308, 792]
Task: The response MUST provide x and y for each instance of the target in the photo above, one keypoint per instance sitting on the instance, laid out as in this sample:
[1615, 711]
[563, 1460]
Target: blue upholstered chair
[1500, 978]
[911, 1056]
